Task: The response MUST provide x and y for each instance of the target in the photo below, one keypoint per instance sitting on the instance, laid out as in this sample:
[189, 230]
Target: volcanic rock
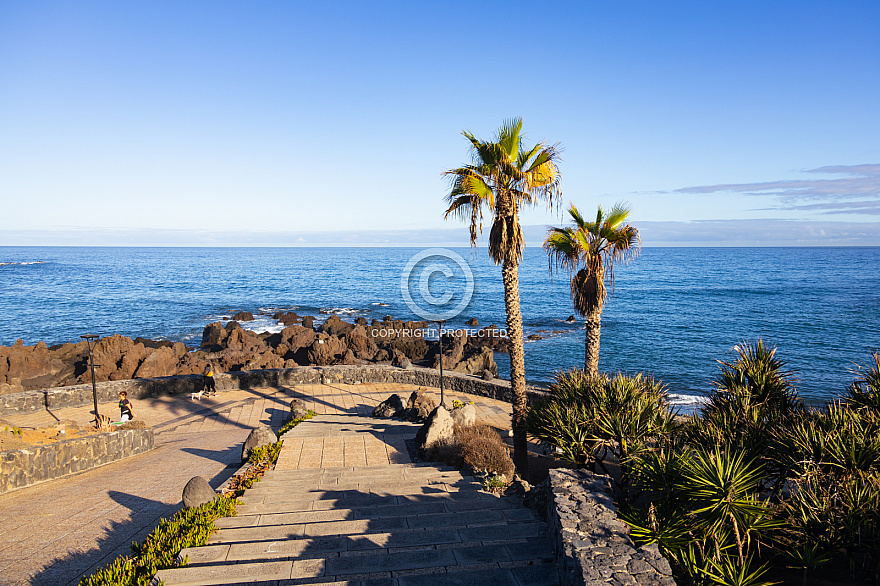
[161, 362]
[483, 360]
[325, 350]
[243, 316]
[439, 426]
[465, 416]
[390, 407]
[472, 322]
[197, 492]
[419, 406]
[259, 436]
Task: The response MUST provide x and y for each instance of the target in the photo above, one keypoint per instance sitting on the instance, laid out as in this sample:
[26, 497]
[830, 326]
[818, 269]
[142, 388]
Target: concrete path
[55, 533]
[387, 524]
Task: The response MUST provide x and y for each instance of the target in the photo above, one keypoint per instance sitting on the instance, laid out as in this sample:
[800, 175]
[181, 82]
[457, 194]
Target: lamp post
[440, 338]
[89, 338]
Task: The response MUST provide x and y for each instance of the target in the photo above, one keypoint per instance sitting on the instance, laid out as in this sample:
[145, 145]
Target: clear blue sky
[296, 117]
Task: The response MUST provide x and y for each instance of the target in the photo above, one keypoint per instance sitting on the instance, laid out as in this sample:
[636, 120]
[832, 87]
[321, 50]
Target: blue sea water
[675, 311]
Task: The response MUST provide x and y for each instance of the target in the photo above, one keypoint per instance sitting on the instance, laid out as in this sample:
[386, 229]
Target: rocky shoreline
[231, 348]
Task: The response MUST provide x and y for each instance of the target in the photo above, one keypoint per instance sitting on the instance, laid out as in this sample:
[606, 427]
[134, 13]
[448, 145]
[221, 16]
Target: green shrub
[294, 422]
[188, 528]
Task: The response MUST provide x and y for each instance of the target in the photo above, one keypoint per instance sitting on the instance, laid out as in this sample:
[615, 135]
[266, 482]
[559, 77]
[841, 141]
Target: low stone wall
[141, 388]
[21, 468]
[593, 547]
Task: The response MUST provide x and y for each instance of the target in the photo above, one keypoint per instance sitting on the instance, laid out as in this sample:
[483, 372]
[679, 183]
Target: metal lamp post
[440, 338]
[89, 338]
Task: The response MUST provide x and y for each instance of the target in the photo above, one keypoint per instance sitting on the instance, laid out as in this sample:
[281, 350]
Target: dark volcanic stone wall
[81, 395]
[35, 464]
[593, 547]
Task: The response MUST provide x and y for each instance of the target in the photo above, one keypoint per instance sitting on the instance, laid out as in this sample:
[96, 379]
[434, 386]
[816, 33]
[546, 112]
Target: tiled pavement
[57, 532]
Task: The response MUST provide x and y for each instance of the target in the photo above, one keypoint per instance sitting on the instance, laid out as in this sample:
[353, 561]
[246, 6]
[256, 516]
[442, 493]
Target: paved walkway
[57, 532]
[388, 524]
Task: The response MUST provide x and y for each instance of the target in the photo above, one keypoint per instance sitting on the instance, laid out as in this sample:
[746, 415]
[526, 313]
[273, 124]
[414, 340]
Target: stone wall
[593, 547]
[141, 388]
[35, 464]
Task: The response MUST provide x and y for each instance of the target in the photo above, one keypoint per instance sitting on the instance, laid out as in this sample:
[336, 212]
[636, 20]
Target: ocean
[675, 311]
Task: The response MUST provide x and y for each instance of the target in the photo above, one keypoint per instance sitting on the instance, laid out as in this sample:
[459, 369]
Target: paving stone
[389, 562]
[225, 574]
[481, 554]
[493, 577]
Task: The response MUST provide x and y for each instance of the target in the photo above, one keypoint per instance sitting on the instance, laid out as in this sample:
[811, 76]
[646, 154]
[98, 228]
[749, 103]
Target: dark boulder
[419, 406]
[197, 492]
[243, 316]
[390, 407]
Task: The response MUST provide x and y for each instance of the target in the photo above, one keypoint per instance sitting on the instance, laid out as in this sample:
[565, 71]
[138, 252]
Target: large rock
[286, 319]
[243, 316]
[296, 337]
[453, 349]
[334, 326]
[390, 407]
[400, 360]
[439, 426]
[260, 436]
[326, 350]
[479, 363]
[162, 362]
[130, 362]
[298, 409]
[197, 492]
[465, 416]
[362, 346]
[213, 335]
[419, 406]
[414, 348]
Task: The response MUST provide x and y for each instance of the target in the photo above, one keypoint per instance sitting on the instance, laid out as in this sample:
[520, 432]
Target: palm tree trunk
[517, 365]
[591, 342]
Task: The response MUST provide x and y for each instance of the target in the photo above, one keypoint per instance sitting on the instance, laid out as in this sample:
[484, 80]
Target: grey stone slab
[272, 532]
[475, 517]
[536, 550]
[257, 572]
[388, 562]
[288, 548]
[354, 527]
[402, 510]
[500, 532]
[306, 517]
[520, 515]
[492, 577]
[204, 554]
[480, 554]
[536, 575]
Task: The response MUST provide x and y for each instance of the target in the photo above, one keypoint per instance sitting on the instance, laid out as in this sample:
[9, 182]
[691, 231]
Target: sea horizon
[675, 312]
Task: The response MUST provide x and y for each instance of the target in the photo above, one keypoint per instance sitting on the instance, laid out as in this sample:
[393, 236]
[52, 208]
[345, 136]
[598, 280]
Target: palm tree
[588, 251]
[504, 175]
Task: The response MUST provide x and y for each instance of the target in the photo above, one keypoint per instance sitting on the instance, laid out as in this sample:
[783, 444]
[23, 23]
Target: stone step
[509, 549]
[280, 493]
[352, 499]
[515, 521]
[416, 515]
[520, 564]
[345, 483]
[397, 504]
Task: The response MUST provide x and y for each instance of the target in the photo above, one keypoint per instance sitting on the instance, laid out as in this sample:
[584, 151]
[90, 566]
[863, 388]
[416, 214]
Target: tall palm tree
[588, 251]
[503, 175]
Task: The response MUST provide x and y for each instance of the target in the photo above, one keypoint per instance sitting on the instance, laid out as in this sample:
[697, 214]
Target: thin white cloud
[853, 182]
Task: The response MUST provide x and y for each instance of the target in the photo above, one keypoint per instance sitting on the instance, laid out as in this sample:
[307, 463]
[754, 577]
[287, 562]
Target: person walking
[126, 413]
[208, 380]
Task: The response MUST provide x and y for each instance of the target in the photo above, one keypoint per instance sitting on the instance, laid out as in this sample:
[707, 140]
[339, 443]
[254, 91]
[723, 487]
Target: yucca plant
[590, 417]
[864, 392]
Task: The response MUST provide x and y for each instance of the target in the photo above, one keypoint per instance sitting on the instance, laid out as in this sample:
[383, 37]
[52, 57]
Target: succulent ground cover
[755, 488]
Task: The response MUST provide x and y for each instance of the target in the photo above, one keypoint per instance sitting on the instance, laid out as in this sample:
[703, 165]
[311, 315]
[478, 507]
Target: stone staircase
[399, 524]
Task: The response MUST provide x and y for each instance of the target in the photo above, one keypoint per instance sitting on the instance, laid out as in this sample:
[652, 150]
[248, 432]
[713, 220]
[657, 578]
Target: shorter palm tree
[588, 251]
